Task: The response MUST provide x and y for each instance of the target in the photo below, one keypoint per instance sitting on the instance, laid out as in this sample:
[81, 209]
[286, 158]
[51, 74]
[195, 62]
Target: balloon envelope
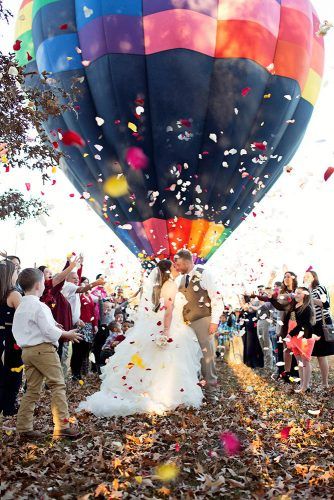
[216, 94]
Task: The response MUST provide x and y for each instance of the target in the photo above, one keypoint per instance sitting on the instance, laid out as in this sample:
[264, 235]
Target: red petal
[328, 173]
[17, 45]
[136, 158]
[63, 26]
[230, 442]
[29, 57]
[245, 91]
[28, 186]
[285, 432]
[185, 122]
[71, 138]
[260, 145]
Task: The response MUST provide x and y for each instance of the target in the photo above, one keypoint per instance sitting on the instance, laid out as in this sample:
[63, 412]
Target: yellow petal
[137, 361]
[132, 127]
[116, 186]
[18, 369]
[167, 472]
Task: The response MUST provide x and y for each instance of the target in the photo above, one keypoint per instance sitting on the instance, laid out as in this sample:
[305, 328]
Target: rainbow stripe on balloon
[275, 32]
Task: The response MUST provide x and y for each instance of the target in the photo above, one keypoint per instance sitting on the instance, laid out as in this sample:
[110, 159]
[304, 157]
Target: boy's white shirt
[34, 324]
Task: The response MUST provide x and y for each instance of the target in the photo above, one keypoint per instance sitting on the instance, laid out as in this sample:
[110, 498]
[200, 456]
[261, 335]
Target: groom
[202, 312]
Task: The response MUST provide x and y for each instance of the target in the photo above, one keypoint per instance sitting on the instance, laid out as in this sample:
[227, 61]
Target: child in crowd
[127, 325]
[37, 333]
[115, 337]
[224, 336]
[107, 314]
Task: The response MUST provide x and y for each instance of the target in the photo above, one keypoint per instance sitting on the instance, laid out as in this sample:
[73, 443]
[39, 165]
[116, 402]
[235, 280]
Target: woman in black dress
[321, 301]
[11, 367]
[253, 355]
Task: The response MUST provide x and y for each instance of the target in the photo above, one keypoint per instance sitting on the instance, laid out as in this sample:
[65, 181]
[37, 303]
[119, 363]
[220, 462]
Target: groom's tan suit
[197, 313]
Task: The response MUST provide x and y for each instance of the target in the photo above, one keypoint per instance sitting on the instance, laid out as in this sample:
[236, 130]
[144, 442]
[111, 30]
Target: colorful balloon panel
[227, 87]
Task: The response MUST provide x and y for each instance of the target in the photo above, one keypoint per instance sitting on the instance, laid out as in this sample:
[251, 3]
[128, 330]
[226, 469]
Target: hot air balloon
[215, 94]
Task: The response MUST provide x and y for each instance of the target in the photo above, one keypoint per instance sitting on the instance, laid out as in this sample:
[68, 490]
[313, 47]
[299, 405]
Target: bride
[156, 367]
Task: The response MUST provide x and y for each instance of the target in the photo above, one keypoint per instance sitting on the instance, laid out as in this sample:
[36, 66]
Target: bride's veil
[151, 291]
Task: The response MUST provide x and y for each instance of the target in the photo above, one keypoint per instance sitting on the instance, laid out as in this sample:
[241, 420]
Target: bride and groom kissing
[156, 368]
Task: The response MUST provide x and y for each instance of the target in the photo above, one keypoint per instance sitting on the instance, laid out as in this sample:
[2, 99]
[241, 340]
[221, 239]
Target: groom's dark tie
[187, 280]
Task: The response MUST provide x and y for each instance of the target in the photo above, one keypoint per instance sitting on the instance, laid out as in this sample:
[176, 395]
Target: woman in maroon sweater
[80, 353]
[53, 297]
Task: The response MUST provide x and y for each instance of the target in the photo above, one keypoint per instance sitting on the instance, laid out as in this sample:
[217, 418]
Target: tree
[23, 112]
[13, 205]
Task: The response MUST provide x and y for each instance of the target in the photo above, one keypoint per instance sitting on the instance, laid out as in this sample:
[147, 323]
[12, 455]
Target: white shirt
[34, 324]
[69, 291]
[209, 284]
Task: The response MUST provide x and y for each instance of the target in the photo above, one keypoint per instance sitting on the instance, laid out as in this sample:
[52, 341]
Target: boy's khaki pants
[42, 361]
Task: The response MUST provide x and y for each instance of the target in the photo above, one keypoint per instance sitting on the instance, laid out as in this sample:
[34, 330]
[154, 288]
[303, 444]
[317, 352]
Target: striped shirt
[321, 293]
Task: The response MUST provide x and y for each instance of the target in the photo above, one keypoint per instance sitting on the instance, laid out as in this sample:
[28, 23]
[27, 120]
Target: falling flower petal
[116, 186]
[245, 91]
[71, 138]
[136, 158]
[230, 443]
[167, 472]
[328, 173]
[17, 45]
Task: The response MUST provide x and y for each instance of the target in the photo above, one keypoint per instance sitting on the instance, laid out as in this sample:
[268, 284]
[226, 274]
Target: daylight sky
[293, 226]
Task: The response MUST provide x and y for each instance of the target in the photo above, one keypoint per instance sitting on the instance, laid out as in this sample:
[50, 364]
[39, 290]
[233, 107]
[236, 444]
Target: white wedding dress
[142, 377]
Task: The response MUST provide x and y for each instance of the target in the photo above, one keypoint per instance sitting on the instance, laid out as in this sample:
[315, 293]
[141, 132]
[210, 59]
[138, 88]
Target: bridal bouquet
[161, 341]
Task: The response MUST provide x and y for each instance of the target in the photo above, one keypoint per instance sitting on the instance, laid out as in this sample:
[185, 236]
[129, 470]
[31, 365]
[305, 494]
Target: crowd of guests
[279, 328]
[64, 309]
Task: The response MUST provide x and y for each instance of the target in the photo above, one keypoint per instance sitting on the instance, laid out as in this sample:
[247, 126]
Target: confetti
[230, 443]
[315, 413]
[167, 472]
[71, 138]
[18, 369]
[99, 121]
[136, 360]
[136, 158]
[329, 172]
[285, 432]
[132, 127]
[116, 186]
[245, 91]
[17, 45]
[87, 12]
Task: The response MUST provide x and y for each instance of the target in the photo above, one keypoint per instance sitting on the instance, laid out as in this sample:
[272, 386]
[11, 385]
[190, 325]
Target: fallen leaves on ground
[285, 452]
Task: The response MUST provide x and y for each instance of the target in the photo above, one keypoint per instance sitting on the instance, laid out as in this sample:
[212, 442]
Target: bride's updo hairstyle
[164, 266]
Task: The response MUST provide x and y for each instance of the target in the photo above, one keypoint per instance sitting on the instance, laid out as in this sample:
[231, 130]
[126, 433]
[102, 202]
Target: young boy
[115, 337]
[37, 333]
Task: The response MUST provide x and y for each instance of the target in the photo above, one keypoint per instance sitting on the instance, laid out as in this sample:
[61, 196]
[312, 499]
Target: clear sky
[293, 226]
